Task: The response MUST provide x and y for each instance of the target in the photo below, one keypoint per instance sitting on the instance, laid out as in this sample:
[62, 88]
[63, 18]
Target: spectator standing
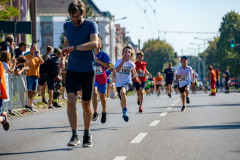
[33, 61]
[22, 47]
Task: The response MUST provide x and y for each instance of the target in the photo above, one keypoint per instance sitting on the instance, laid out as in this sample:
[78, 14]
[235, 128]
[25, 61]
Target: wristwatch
[75, 47]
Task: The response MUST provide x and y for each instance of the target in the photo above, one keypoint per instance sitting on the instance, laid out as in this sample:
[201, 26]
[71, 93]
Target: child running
[142, 71]
[186, 77]
[124, 67]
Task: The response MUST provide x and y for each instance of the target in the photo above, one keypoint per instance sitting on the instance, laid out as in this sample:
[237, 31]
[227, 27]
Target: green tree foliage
[219, 53]
[7, 11]
[157, 54]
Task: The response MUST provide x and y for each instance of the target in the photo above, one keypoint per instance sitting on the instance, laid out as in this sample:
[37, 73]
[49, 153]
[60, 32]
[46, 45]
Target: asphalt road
[208, 129]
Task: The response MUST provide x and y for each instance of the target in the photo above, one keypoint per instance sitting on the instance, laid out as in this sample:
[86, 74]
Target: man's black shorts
[128, 87]
[182, 90]
[84, 81]
[169, 82]
[50, 82]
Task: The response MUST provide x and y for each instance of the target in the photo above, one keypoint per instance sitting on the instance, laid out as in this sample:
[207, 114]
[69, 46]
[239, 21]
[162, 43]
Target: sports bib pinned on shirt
[125, 70]
[184, 78]
[142, 74]
[99, 70]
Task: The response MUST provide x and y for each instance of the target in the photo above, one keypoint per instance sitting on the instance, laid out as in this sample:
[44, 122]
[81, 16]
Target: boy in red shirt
[141, 71]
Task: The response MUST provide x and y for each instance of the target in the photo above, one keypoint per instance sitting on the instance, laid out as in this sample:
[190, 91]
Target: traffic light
[175, 55]
[232, 43]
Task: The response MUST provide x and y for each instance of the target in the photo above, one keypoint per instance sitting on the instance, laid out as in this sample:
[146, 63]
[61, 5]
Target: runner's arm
[135, 75]
[93, 44]
[147, 72]
[118, 68]
[107, 65]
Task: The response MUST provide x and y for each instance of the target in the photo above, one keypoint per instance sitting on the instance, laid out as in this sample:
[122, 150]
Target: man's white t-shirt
[124, 75]
[187, 76]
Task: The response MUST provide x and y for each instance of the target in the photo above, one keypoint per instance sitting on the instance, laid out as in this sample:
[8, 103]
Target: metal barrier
[17, 94]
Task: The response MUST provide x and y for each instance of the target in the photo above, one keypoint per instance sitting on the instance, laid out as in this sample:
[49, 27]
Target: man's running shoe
[44, 101]
[50, 107]
[5, 123]
[104, 117]
[55, 104]
[183, 108]
[73, 141]
[138, 101]
[187, 100]
[31, 108]
[140, 109]
[169, 95]
[158, 94]
[125, 115]
[95, 116]
[87, 140]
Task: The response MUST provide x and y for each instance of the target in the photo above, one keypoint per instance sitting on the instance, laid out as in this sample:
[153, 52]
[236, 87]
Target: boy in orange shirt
[158, 83]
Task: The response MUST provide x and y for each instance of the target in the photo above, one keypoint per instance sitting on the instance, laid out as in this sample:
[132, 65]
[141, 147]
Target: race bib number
[158, 83]
[125, 70]
[99, 70]
[142, 74]
[184, 78]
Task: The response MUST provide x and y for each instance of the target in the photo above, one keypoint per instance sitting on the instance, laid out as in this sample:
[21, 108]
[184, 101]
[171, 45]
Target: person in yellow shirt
[34, 61]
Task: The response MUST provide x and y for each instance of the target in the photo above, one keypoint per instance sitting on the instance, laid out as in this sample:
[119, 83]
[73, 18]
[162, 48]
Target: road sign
[17, 27]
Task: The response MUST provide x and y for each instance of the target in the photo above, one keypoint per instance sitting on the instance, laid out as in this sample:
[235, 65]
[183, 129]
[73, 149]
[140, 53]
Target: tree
[157, 53]
[219, 53]
[6, 12]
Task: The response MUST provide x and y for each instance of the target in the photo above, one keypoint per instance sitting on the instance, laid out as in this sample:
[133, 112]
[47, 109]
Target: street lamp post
[197, 56]
[204, 59]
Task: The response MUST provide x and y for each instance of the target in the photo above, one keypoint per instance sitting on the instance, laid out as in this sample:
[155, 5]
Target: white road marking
[120, 158]
[139, 138]
[163, 114]
[172, 104]
[169, 108]
[154, 123]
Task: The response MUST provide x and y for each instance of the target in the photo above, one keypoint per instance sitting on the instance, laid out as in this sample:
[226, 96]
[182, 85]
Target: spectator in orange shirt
[159, 83]
[33, 61]
[213, 80]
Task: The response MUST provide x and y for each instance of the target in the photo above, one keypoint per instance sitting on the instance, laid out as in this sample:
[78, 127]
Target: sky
[171, 15]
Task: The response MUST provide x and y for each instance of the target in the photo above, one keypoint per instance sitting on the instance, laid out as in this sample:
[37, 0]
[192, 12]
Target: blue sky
[170, 15]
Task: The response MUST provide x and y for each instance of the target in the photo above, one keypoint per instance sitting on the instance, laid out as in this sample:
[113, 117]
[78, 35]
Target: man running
[81, 37]
[186, 77]
[124, 67]
[158, 83]
[142, 71]
[169, 74]
[102, 62]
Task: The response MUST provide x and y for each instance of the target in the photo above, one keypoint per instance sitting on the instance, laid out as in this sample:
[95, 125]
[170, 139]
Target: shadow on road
[214, 105]
[92, 130]
[40, 128]
[42, 151]
[212, 127]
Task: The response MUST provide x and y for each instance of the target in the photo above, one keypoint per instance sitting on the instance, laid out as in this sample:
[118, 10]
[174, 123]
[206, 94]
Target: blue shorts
[109, 81]
[137, 85]
[101, 87]
[32, 83]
